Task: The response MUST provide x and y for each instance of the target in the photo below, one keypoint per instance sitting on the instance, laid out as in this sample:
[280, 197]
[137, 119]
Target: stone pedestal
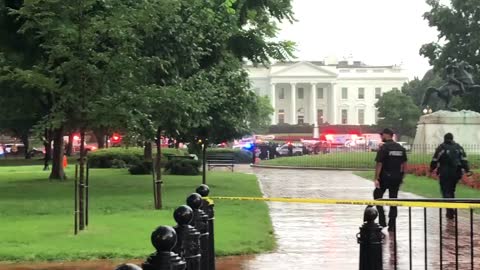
[464, 125]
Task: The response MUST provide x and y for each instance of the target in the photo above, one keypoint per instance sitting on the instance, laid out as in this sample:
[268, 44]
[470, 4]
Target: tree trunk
[26, 144]
[57, 165]
[69, 150]
[100, 134]
[204, 163]
[47, 144]
[148, 152]
[158, 170]
[81, 182]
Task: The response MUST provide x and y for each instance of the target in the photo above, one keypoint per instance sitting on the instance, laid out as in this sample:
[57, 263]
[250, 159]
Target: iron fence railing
[358, 157]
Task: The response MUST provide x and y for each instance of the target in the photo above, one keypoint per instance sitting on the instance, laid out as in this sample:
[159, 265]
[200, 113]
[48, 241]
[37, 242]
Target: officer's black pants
[448, 185]
[392, 194]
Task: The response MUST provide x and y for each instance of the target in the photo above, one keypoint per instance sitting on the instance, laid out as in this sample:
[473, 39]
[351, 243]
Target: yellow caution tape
[210, 201]
[457, 205]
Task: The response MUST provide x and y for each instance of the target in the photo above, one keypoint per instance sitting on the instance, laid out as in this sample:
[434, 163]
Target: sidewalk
[315, 236]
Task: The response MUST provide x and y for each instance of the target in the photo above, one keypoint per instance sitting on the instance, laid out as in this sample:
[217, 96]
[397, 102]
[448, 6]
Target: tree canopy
[398, 111]
[458, 40]
[139, 66]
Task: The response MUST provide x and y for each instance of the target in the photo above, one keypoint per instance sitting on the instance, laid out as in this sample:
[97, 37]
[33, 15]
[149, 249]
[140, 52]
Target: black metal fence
[358, 157]
[428, 241]
[190, 244]
[432, 242]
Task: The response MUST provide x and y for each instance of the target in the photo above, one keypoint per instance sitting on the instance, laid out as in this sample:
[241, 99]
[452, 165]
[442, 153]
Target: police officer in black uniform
[450, 160]
[389, 172]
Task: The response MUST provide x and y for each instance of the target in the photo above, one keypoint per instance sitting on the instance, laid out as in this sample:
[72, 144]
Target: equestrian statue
[459, 81]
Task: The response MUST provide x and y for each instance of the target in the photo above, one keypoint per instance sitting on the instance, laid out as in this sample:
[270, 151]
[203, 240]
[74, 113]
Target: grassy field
[20, 161]
[427, 187]
[349, 160]
[37, 215]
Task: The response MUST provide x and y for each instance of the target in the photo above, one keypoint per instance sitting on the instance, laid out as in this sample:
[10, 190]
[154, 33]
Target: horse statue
[459, 81]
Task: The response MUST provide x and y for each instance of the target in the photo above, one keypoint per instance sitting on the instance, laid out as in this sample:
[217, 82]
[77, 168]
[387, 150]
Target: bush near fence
[111, 157]
[424, 170]
[183, 167]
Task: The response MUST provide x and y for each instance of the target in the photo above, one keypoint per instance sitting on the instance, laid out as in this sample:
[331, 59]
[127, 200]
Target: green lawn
[427, 187]
[348, 160]
[37, 215]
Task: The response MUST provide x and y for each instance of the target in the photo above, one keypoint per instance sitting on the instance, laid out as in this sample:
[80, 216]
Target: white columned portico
[273, 99]
[313, 108]
[293, 105]
[333, 104]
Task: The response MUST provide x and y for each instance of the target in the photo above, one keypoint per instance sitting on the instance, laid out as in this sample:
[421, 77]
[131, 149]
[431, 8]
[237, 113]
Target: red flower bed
[424, 170]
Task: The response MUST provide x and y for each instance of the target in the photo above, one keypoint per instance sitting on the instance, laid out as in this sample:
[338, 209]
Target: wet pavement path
[315, 236]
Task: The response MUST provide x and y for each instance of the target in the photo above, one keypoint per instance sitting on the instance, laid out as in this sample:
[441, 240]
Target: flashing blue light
[248, 146]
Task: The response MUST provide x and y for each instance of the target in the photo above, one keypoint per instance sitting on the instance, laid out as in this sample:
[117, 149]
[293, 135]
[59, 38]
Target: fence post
[370, 239]
[188, 244]
[208, 206]
[128, 266]
[164, 238]
[200, 222]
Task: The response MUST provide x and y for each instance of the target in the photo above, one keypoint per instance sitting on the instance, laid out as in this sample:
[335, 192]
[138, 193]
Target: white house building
[340, 93]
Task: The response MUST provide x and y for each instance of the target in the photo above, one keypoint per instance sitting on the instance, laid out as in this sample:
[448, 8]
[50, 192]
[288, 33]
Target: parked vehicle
[283, 150]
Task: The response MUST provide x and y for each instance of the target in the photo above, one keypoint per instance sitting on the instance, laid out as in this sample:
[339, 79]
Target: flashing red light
[116, 138]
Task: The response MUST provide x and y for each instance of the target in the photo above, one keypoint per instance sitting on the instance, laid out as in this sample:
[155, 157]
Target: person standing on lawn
[450, 161]
[391, 161]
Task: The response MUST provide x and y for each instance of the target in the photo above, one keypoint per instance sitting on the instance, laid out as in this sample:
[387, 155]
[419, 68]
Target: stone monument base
[464, 125]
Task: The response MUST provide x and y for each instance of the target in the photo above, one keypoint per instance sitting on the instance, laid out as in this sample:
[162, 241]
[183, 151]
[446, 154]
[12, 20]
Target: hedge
[183, 167]
[241, 156]
[111, 157]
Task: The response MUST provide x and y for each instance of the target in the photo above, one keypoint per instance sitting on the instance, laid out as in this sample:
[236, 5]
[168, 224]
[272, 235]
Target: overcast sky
[377, 32]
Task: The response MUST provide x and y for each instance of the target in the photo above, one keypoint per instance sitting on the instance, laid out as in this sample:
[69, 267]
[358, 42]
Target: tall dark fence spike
[188, 244]
[208, 207]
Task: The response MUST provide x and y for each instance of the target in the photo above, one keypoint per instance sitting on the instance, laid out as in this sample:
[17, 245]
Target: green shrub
[119, 164]
[144, 167]
[104, 158]
[183, 167]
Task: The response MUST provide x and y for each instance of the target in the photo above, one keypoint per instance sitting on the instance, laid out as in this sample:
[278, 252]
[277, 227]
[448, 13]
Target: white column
[273, 100]
[333, 104]
[293, 104]
[313, 109]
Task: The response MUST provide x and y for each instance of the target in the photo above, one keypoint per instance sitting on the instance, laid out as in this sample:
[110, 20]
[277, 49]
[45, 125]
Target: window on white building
[301, 116]
[301, 119]
[344, 117]
[376, 116]
[361, 93]
[281, 93]
[281, 116]
[378, 92]
[361, 117]
[300, 93]
[395, 89]
[320, 116]
[320, 93]
[344, 93]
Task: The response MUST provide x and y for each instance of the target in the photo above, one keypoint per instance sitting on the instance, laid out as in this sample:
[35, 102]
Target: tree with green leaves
[398, 111]
[416, 89]
[459, 40]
